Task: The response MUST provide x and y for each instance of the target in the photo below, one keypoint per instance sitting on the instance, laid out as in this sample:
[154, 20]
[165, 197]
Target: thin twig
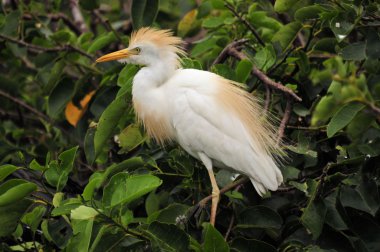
[230, 227]
[248, 24]
[285, 120]
[263, 77]
[226, 51]
[225, 189]
[310, 38]
[77, 15]
[58, 16]
[24, 105]
[37, 48]
[107, 25]
[39, 114]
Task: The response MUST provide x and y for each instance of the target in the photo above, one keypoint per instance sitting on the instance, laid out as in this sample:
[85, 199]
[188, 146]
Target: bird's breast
[156, 120]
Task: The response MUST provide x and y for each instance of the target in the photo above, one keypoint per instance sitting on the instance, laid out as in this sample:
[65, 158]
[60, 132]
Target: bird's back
[212, 115]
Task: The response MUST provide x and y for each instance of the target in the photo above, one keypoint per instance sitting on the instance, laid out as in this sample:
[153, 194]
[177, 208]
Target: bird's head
[148, 46]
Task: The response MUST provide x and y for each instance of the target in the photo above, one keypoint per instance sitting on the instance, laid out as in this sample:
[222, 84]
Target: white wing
[203, 125]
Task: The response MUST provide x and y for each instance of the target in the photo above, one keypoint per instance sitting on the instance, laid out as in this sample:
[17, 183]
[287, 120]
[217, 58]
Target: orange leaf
[73, 113]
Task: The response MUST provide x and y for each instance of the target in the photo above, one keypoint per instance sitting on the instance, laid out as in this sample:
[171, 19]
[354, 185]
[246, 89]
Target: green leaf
[168, 237]
[290, 172]
[356, 199]
[6, 170]
[57, 173]
[89, 4]
[57, 231]
[128, 164]
[66, 207]
[108, 121]
[14, 190]
[313, 218]
[243, 70]
[89, 148]
[308, 12]
[213, 22]
[124, 188]
[94, 183]
[287, 34]
[60, 96]
[203, 46]
[101, 42]
[343, 117]
[11, 214]
[213, 240]
[126, 75]
[282, 6]
[62, 36]
[260, 20]
[259, 217]
[247, 245]
[67, 159]
[143, 12]
[11, 23]
[130, 138]
[83, 213]
[333, 217]
[82, 232]
[33, 218]
[265, 58]
[324, 110]
[34, 165]
[224, 70]
[354, 51]
[373, 45]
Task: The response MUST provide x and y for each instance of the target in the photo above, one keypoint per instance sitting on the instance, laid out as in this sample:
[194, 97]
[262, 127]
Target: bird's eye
[138, 49]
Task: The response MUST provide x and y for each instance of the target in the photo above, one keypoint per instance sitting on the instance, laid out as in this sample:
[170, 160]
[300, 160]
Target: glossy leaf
[343, 117]
[6, 170]
[284, 5]
[213, 240]
[144, 12]
[123, 188]
[287, 34]
[162, 235]
[259, 217]
[14, 190]
[107, 123]
[11, 214]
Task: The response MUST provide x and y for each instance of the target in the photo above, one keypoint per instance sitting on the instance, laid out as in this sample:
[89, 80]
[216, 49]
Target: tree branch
[77, 15]
[263, 77]
[107, 25]
[37, 48]
[56, 17]
[226, 51]
[225, 189]
[249, 26]
[285, 120]
[37, 113]
[26, 106]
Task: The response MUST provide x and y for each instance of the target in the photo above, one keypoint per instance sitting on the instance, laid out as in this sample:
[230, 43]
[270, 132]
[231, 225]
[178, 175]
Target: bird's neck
[150, 102]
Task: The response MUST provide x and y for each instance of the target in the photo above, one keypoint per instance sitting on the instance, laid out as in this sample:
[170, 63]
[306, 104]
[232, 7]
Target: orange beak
[125, 53]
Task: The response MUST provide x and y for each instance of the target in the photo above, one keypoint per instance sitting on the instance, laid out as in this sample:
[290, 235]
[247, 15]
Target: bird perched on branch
[212, 118]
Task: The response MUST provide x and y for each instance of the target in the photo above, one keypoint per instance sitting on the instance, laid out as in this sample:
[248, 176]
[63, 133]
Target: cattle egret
[212, 118]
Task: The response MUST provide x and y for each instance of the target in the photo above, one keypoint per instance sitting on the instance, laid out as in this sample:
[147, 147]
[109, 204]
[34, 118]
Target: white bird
[210, 117]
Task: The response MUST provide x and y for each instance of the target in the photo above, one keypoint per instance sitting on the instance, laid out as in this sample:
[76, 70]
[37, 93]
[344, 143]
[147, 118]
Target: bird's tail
[270, 176]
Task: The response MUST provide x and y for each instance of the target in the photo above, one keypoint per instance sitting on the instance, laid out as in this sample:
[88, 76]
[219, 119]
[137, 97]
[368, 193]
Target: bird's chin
[124, 61]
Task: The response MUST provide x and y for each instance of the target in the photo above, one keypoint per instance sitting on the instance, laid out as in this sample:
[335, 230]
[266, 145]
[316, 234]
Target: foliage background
[78, 173]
